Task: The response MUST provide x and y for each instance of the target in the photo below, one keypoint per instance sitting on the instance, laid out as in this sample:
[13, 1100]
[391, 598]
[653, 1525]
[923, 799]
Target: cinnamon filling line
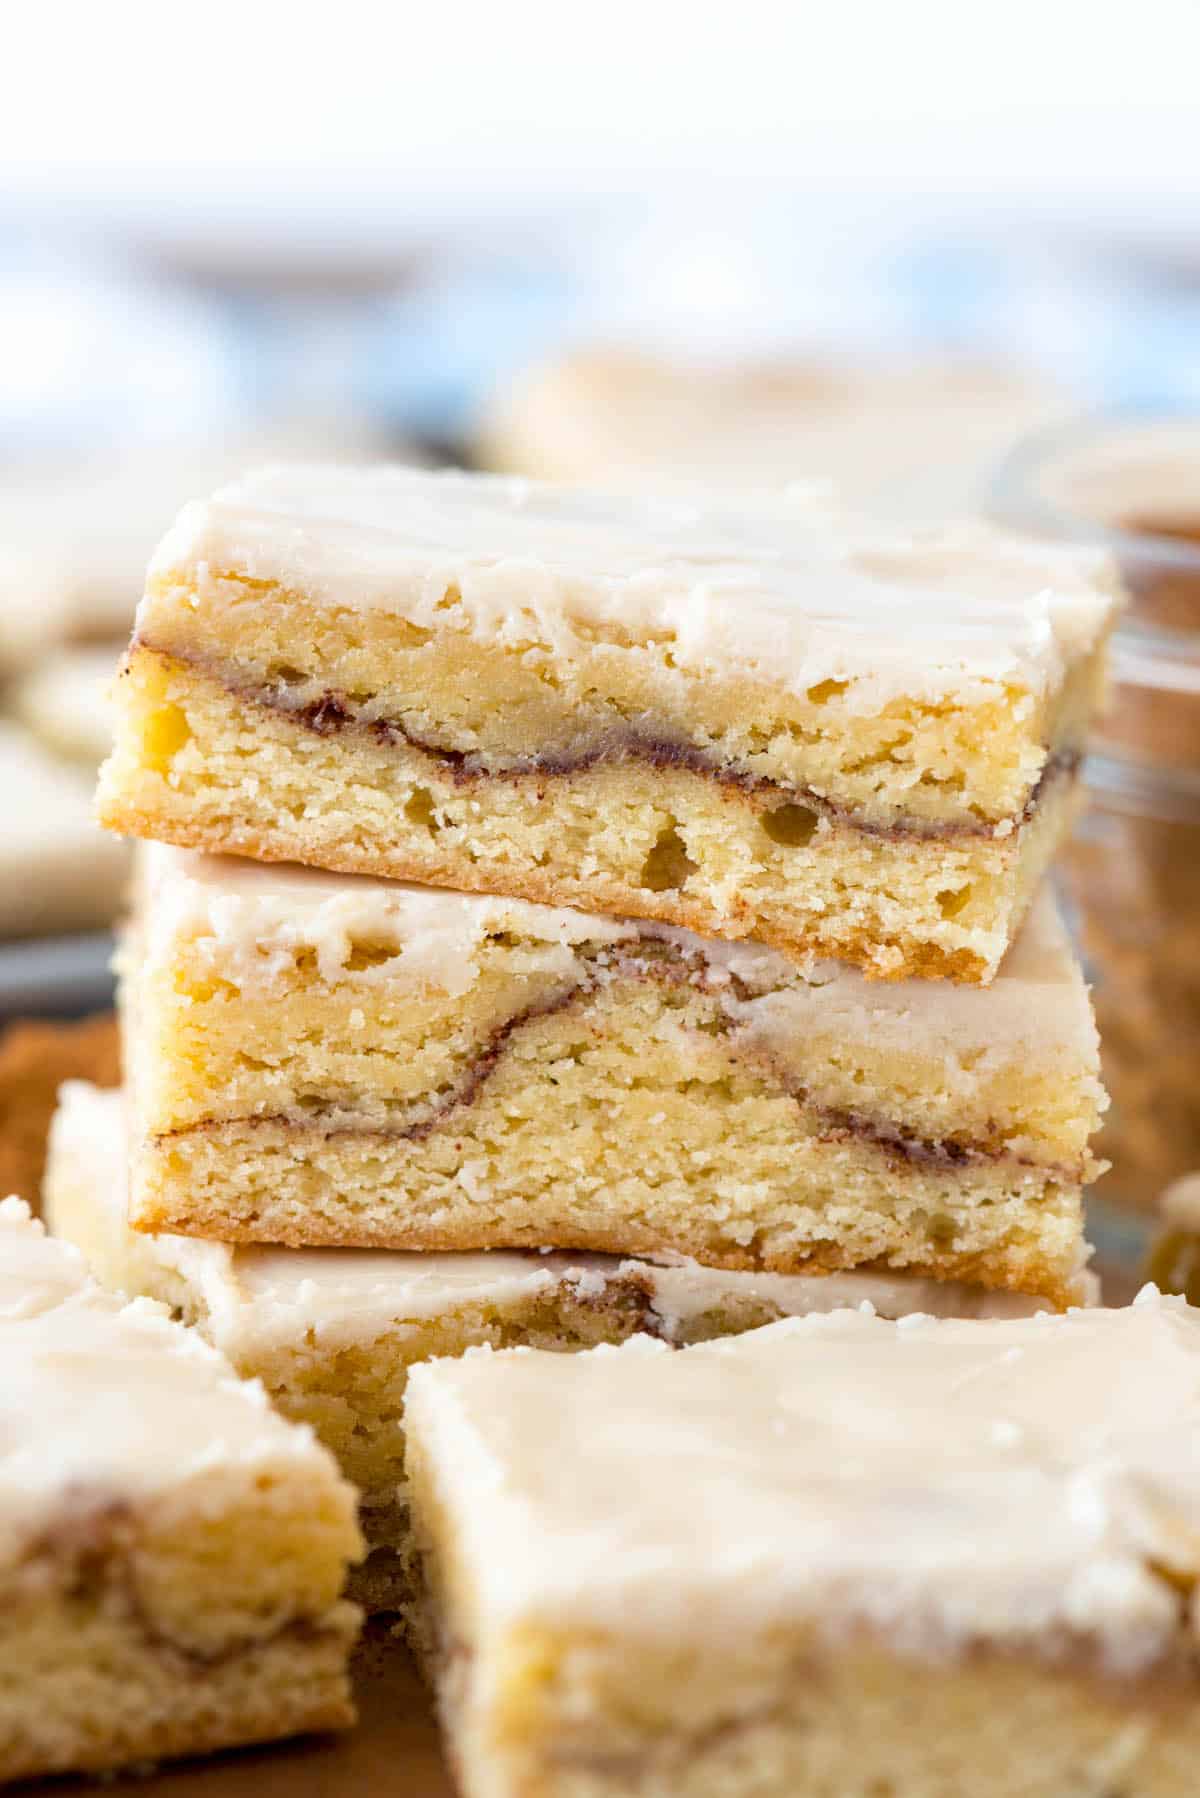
[665, 966]
[333, 713]
[89, 1552]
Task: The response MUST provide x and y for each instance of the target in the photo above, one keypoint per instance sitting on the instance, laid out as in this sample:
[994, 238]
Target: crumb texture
[859, 1725]
[86, 1689]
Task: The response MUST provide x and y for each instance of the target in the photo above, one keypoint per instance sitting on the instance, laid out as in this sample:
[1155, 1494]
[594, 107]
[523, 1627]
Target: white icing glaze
[35, 1275]
[781, 589]
[260, 1299]
[247, 920]
[683, 1290]
[254, 917]
[941, 1482]
[110, 1402]
[1037, 1006]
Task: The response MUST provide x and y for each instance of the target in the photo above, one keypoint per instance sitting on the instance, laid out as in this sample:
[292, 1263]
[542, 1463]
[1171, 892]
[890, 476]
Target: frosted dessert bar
[332, 1333]
[898, 434]
[171, 1552]
[756, 722]
[838, 1556]
[320, 1059]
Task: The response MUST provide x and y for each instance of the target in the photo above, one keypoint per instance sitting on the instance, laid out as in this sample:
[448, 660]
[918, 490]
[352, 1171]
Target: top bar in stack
[753, 722]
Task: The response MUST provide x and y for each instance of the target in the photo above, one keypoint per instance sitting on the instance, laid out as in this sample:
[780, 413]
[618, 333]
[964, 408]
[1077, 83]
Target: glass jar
[1130, 874]
[1131, 878]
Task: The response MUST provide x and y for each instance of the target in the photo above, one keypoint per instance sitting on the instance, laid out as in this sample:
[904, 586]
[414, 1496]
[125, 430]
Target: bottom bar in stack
[333, 1333]
[171, 1553]
[838, 1556]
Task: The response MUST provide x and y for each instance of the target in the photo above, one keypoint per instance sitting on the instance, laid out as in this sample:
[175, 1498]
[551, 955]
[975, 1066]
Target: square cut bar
[318, 1059]
[836, 1557]
[332, 1333]
[171, 1552]
[756, 722]
[910, 432]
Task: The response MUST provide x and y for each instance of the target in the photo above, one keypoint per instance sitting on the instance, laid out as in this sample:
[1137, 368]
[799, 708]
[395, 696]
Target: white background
[333, 113]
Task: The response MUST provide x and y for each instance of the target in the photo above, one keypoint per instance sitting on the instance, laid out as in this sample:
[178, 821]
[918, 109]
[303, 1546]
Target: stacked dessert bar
[570, 918]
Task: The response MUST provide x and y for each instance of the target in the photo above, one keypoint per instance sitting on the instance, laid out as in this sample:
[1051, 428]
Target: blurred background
[947, 258]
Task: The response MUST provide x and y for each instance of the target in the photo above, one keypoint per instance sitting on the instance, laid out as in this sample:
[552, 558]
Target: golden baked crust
[838, 1206]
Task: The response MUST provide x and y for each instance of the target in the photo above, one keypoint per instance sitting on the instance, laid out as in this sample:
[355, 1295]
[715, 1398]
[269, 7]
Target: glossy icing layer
[781, 589]
[1032, 1484]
